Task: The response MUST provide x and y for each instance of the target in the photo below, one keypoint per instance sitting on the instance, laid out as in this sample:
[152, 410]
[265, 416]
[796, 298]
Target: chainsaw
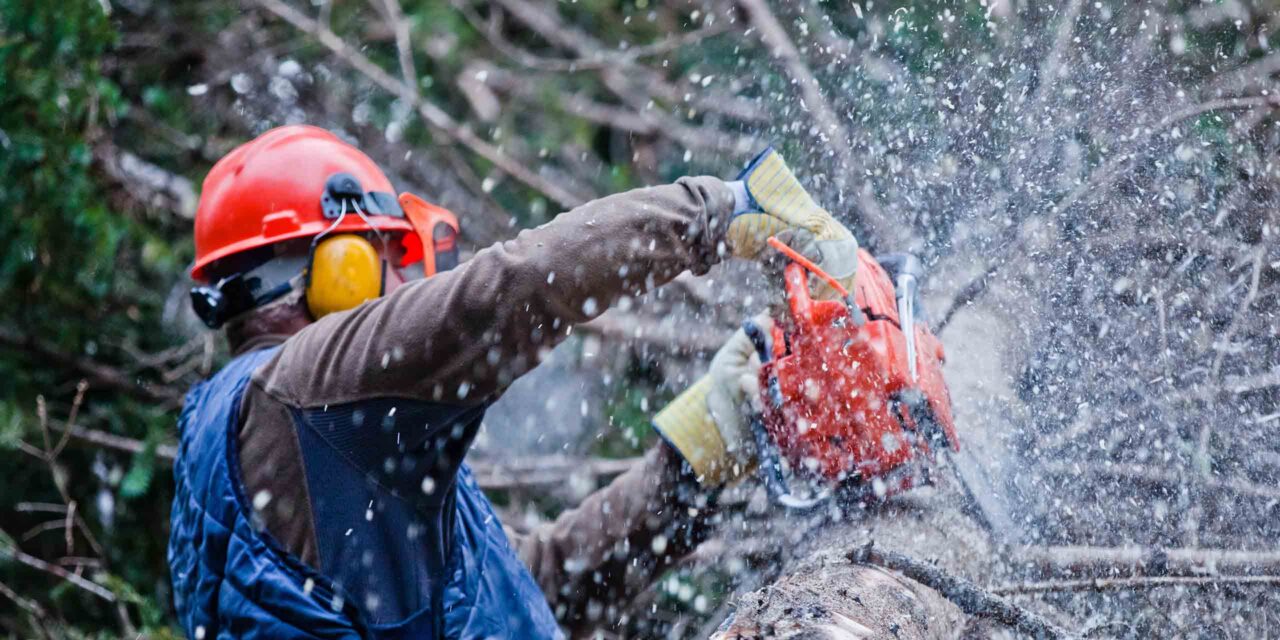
[852, 389]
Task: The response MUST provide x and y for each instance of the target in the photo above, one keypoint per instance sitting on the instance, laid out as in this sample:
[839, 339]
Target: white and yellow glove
[769, 201]
[709, 422]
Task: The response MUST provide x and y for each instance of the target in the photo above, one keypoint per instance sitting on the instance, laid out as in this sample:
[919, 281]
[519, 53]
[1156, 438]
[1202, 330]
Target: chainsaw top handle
[797, 284]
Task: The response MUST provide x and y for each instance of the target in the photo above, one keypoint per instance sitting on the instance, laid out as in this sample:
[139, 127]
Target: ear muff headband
[345, 271]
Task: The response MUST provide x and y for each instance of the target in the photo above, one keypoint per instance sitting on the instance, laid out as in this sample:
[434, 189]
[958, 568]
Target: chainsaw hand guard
[770, 467]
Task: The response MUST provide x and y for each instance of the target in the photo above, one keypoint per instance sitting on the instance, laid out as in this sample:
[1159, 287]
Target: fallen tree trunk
[820, 590]
[971, 599]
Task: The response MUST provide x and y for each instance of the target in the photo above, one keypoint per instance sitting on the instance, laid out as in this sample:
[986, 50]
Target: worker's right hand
[709, 422]
[768, 201]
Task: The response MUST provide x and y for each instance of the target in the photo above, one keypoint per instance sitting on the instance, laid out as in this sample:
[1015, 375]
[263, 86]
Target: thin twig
[491, 475]
[833, 133]
[124, 444]
[68, 528]
[76, 403]
[39, 507]
[1203, 460]
[404, 49]
[649, 122]
[54, 570]
[51, 525]
[600, 60]
[30, 606]
[505, 475]
[1254, 279]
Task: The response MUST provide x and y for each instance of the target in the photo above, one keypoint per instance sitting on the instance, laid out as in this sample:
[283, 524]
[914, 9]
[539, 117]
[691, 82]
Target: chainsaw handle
[766, 453]
[796, 280]
[771, 472]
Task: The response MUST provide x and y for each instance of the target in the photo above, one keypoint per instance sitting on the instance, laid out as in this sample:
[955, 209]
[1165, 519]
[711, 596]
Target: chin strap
[221, 302]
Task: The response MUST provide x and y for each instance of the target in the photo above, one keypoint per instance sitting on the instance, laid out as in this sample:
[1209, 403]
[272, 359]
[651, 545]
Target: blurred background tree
[981, 134]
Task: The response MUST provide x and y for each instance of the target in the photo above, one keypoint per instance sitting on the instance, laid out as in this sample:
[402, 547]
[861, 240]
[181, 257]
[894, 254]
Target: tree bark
[821, 593]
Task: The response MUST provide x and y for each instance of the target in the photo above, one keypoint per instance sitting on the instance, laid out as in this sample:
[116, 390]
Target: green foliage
[76, 276]
[136, 482]
[85, 276]
[52, 95]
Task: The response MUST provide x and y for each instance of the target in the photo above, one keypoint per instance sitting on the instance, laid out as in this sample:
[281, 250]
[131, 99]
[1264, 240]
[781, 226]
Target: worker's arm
[622, 537]
[462, 336]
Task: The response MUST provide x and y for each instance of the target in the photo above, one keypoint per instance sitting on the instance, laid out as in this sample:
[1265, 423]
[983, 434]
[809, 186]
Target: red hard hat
[270, 189]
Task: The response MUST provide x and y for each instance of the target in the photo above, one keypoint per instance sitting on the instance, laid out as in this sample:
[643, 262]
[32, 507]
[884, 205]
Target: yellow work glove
[774, 202]
[709, 424]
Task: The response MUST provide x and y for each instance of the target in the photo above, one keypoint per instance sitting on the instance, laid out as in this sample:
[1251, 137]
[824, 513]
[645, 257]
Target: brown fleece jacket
[463, 336]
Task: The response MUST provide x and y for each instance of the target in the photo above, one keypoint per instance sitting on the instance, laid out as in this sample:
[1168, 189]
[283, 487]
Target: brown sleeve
[619, 540]
[464, 335]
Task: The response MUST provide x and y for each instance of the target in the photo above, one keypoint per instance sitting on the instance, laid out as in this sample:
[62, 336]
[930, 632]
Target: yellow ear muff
[345, 271]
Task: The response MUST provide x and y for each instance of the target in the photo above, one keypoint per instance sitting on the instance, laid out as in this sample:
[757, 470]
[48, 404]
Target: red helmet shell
[268, 190]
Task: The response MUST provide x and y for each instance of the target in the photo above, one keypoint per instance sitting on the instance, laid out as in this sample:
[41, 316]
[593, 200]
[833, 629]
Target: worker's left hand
[709, 422]
[769, 201]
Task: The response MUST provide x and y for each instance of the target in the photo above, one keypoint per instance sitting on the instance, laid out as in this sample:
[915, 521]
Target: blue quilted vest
[451, 571]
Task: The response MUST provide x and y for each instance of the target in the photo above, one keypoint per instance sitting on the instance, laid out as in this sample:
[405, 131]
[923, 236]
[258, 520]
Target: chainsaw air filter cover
[848, 410]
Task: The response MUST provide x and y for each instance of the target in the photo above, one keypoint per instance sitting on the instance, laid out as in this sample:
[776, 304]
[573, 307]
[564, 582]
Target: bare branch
[400, 27]
[76, 403]
[634, 329]
[40, 507]
[491, 475]
[1148, 475]
[30, 606]
[145, 183]
[971, 599]
[1100, 181]
[832, 133]
[648, 122]
[1248, 77]
[167, 452]
[1130, 584]
[1138, 561]
[597, 60]
[98, 374]
[433, 115]
[54, 570]
[621, 75]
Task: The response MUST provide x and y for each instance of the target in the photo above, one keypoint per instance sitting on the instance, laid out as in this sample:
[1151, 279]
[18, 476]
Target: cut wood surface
[819, 593]
[971, 598]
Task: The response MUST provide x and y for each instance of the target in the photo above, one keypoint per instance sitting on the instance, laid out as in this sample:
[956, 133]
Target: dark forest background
[1100, 175]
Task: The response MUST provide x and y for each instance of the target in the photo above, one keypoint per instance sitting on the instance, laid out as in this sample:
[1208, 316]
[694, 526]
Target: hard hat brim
[351, 224]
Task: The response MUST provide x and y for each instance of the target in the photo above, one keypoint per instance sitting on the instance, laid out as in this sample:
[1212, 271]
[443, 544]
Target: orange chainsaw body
[839, 417]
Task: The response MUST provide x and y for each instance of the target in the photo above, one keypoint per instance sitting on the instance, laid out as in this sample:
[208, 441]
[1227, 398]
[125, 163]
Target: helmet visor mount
[343, 193]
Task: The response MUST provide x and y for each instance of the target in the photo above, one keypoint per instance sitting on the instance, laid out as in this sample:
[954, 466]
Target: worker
[321, 489]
